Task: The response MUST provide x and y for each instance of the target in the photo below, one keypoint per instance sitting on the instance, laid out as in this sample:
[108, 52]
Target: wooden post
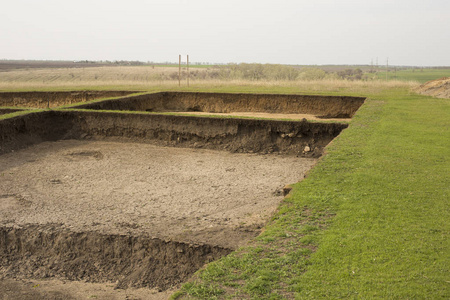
[188, 70]
[179, 70]
[387, 66]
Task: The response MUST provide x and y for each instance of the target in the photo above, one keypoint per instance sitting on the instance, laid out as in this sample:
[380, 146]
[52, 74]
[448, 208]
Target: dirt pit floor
[174, 194]
[25, 289]
[189, 195]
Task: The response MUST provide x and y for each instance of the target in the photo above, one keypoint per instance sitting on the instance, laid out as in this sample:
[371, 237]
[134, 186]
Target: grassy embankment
[371, 220]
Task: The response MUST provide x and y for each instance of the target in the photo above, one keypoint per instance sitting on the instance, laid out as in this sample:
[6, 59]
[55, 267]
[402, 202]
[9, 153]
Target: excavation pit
[138, 199]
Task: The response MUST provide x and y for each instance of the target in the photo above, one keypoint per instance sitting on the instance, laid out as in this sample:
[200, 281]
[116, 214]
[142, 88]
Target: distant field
[420, 75]
[96, 77]
[158, 77]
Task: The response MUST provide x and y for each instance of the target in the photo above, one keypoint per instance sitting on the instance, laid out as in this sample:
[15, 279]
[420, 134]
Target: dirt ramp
[54, 99]
[321, 106]
[131, 261]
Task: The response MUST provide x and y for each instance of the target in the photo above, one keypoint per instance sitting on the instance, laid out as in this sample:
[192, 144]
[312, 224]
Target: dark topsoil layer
[54, 99]
[304, 138]
[321, 106]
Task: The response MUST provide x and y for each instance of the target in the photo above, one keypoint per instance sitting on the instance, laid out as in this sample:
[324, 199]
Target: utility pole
[387, 66]
[188, 70]
[179, 70]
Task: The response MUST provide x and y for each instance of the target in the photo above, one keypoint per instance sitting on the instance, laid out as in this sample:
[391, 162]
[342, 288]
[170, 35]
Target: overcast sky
[409, 32]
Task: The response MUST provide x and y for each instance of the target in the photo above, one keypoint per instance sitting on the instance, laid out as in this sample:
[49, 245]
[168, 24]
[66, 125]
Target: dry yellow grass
[151, 78]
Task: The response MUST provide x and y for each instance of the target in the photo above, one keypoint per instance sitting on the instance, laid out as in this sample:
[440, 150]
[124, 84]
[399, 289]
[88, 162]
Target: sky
[312, 32]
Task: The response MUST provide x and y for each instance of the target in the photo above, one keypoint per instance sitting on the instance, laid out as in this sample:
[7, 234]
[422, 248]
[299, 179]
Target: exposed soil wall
[131, 261]
[322, 106]
[54, 99]
[236, 135]
[22, 131]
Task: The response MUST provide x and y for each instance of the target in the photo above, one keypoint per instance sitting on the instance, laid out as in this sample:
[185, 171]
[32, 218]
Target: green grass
[420, 75]
[370, 221]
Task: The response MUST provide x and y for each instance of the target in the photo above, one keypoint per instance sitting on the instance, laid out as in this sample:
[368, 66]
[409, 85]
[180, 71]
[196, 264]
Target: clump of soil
[439, 88]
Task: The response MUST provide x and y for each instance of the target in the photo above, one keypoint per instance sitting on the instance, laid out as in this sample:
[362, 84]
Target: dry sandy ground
[73, 290]
[192, 195]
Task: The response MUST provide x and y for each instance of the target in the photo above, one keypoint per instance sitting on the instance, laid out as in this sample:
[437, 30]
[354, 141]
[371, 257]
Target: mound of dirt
[439, 88]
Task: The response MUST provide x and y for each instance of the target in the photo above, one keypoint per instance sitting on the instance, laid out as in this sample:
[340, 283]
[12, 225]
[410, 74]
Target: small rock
[291, 135]
[307, 149]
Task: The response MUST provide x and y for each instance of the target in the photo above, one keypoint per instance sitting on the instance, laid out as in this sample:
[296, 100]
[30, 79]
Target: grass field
[147, 78]
[371, 220]
[419, 75]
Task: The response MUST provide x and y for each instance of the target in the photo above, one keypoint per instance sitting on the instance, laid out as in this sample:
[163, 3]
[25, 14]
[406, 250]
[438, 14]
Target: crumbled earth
[439, 88]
